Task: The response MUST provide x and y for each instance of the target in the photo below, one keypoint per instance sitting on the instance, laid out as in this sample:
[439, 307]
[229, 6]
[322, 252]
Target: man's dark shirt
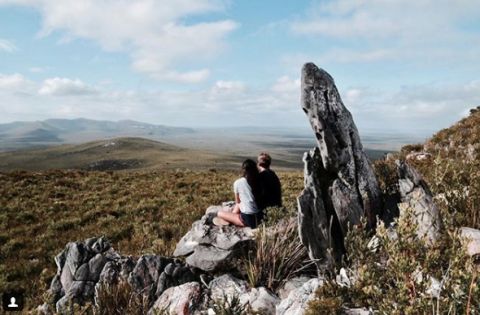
[270, 190]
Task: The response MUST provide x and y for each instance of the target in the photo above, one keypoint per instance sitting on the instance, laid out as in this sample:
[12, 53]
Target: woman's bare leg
[231, 217]
[236, 208]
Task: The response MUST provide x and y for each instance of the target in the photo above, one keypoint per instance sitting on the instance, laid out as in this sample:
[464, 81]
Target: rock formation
[83, 267]
[340, 186]
[416, 195]
[213, 248]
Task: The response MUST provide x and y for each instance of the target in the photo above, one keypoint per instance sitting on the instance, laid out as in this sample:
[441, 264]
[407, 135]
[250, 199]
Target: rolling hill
[20, 135]
[114, 154]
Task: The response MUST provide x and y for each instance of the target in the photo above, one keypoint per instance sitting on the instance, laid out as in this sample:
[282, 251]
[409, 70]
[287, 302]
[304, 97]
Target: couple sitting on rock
[257, 189]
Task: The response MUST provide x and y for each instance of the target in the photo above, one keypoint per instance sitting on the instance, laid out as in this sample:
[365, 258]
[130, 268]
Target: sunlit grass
[140, 212]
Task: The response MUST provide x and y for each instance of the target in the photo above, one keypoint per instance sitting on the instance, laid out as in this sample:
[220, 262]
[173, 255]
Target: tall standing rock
[340, 186]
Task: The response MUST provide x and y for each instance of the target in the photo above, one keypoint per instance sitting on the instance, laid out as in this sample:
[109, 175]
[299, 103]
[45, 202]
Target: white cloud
[12, 81]
[379, 19]
[65, 86]
[286, 85]
[7, 46]
[154, 33]
[373, 30]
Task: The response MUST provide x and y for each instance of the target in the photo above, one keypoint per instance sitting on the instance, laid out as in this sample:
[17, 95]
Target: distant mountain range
[20, 135]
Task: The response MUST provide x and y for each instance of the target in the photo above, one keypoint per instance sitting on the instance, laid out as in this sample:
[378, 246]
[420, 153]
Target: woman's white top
[247, 201]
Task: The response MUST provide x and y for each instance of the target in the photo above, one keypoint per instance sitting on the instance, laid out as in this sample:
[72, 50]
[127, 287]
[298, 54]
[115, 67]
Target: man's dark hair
[264, 160]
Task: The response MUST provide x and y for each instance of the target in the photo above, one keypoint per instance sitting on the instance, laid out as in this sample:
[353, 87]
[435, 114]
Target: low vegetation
[140, 212]
[278, 256]
[401, 274]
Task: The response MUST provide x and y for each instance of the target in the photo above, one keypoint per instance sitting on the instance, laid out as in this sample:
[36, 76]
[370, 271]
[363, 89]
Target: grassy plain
[140, 212]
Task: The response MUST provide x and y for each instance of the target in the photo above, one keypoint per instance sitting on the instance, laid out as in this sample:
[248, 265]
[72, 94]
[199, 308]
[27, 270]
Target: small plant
[229, 306]
[120, 299]
[278, 256]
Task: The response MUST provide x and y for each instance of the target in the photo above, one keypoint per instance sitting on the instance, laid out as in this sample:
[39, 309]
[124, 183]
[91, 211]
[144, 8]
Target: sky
[400, 65]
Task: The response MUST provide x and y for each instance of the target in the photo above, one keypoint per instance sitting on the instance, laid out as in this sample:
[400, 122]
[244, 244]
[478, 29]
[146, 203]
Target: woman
[246, 211]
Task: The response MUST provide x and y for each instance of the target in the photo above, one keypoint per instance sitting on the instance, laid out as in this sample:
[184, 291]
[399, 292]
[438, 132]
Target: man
[270, 188]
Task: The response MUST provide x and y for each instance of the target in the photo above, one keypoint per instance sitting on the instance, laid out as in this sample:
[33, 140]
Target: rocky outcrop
[213, 248]
[340, 186]
[416, 195]
[226, 287]
[184, 299]
[297, 300]
[472, 237]
[84, 267]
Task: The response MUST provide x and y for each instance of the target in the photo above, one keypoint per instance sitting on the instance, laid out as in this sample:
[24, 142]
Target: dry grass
[140, 212]
[278, 256]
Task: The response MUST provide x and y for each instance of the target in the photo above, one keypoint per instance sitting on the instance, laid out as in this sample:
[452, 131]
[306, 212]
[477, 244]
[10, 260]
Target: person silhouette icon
[13, 302]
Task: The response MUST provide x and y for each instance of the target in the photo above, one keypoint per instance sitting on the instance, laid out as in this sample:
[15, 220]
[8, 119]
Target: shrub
[120, 299]
[396, 276]
[278, 255]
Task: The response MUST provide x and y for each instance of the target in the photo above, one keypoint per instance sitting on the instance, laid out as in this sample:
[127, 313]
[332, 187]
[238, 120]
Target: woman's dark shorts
[252, 220]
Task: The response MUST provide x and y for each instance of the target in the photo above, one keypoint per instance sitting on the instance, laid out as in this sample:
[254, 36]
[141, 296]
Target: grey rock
[95, 266]
[84, 268]
[82, 273]
[472, 237]
[179, 300]
[340, 186]
[291, 285]
[169, 269]
[144, 276]
[210, 247]
[356, 311]
[227, 287]
[297, 300]
[209, 258]
[416, 195]
[263, 301]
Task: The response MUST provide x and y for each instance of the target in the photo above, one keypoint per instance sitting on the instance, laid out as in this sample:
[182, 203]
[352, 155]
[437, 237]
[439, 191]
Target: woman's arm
[237, 198]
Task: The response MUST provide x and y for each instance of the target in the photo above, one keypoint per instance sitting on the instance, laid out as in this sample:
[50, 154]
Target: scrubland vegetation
[395, 277]
[149, 211]
[140, 212]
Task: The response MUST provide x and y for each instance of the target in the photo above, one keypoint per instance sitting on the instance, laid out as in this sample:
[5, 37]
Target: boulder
[416, 195]
[472, 237]
[227, 287]
[297, 300]
[263, 301]
[180, 300]
[291, 285]
[75, 280]
[213, 248]
[340, 186]
[83, 268]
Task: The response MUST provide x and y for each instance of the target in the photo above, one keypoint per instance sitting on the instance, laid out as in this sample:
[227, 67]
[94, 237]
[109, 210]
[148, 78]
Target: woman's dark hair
[250, 172]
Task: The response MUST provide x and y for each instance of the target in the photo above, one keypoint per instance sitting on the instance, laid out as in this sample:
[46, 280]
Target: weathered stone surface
[472, 237]
[291, 285]
[357, 311]
[340, 186]
[209, 258]
[144, 276]
[179, 300]
[227, 287]
[210, 247]
[85, 267]
[297, 300]
[263, 301]
[73, 281]
[416, 195]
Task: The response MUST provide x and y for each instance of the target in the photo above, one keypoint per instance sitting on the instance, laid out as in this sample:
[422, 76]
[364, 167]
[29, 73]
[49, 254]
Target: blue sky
[400, 65]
